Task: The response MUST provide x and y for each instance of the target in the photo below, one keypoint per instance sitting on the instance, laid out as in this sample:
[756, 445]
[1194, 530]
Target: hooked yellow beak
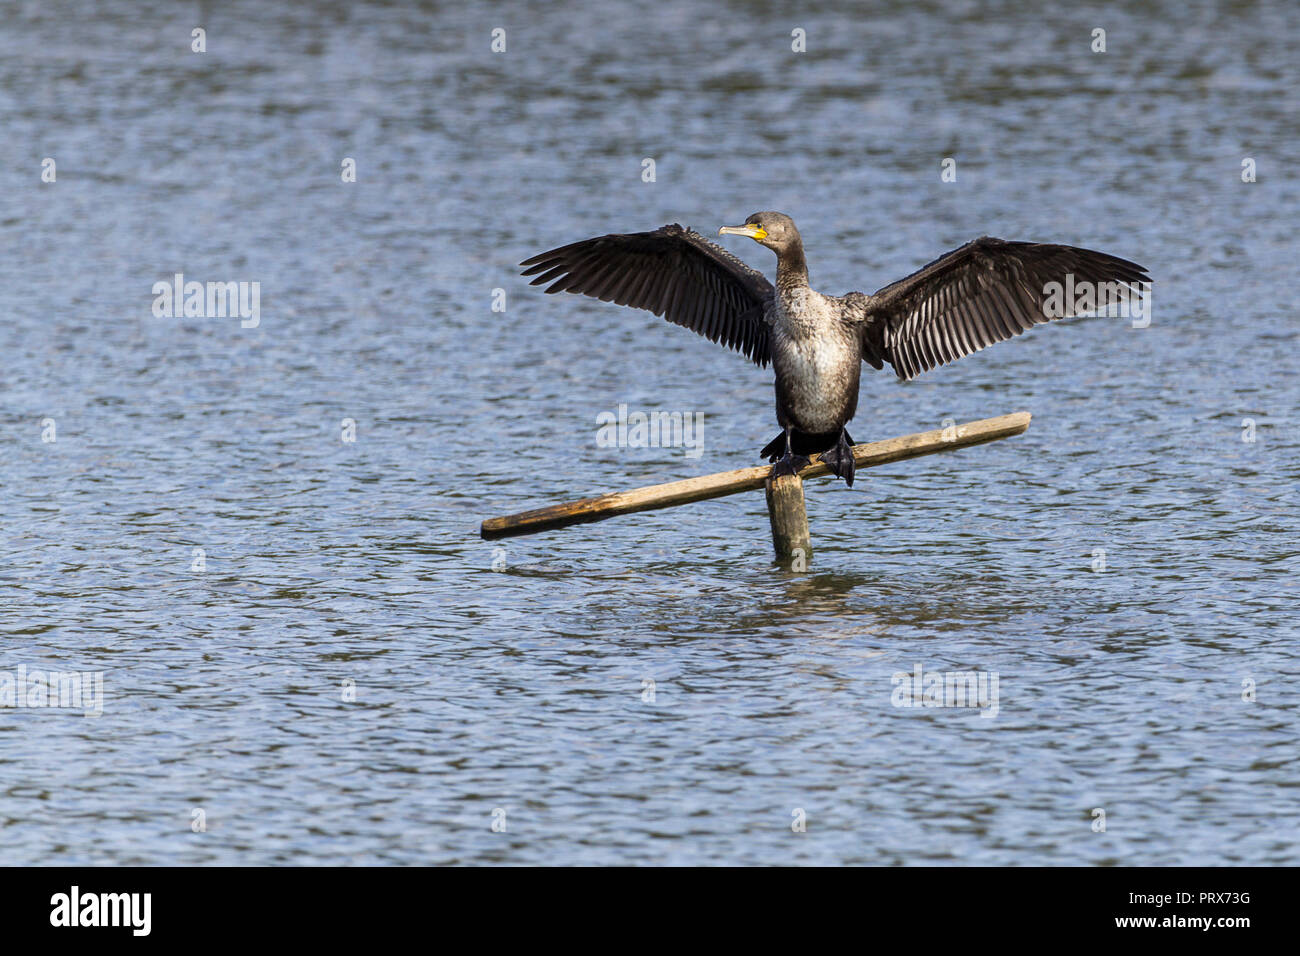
[754, 232]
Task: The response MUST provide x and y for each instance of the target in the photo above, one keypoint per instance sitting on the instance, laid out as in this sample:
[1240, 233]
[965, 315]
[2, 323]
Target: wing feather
[988, 291]
[673, 272]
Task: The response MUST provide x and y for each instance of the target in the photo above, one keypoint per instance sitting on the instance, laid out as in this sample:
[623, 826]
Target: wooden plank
[705, 487]
[789, 517]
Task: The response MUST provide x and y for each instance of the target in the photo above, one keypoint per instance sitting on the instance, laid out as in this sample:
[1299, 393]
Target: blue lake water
[349, 681]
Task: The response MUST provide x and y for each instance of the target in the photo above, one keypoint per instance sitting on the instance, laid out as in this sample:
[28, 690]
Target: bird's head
[772, 229]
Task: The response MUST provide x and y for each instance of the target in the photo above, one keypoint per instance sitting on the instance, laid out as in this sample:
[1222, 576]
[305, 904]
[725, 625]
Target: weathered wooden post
[785, 502]
[789, 518]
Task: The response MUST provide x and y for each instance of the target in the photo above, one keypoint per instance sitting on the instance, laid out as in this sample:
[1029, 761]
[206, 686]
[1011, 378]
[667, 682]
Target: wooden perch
[789, 518]
[748, 479]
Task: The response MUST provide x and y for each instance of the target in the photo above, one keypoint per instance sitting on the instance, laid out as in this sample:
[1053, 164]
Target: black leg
[840, 458]
[847, 466]
[791, 463]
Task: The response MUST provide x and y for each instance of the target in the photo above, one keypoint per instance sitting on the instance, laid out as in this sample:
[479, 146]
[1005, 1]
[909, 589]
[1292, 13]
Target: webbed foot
[790, 465]
[840, 458]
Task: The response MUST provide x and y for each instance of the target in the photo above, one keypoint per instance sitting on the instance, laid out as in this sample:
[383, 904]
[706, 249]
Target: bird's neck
[792, 269]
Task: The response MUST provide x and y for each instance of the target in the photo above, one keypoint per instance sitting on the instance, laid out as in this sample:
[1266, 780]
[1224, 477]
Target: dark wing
[987, 291]
[673, 272]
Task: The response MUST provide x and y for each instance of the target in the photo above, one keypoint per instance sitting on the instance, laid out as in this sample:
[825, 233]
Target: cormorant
[986, 291]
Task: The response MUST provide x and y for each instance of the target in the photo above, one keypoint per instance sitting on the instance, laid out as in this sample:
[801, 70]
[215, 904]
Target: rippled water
[524, 689]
